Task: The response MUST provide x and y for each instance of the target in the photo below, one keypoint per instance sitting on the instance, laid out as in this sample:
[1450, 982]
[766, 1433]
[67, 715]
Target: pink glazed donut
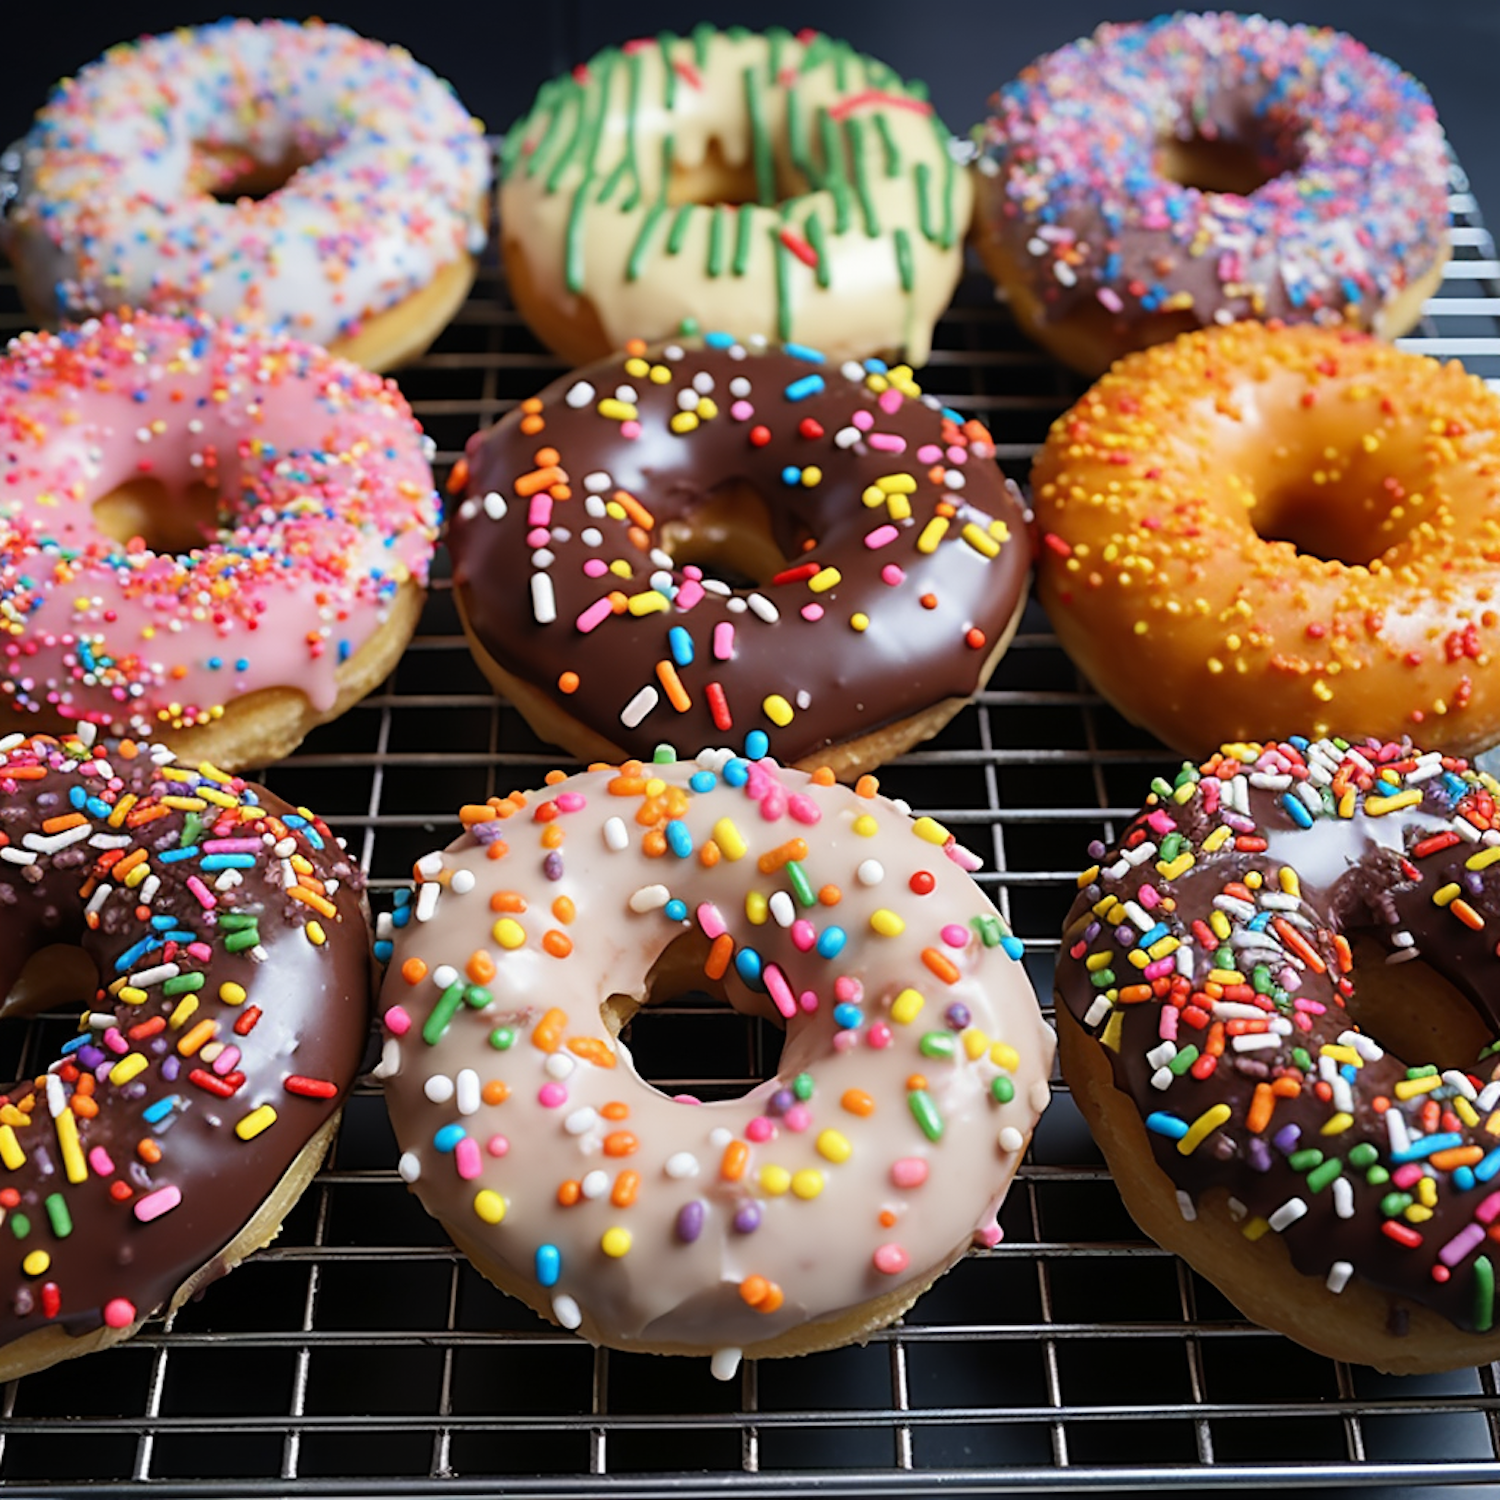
[208, 538]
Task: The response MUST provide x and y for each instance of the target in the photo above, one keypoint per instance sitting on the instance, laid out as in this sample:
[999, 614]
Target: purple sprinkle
[957, 1016]
[1258, 1154]
[170, 1068]
[552, 866]
[781, 1101]
[1287, 1137]
[690, 1221]
[747, 1217]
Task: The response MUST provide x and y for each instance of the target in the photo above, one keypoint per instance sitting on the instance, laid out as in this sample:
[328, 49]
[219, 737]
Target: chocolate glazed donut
[216, 941]
[1237, 977]
[703, 542]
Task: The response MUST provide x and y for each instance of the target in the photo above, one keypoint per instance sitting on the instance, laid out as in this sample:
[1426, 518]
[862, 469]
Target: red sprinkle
[311, 1088]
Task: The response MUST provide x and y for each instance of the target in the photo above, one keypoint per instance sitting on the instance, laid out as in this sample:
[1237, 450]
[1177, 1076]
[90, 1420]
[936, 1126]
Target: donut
[806, 1213]
[714, 537]
[1237, 977]
[1198, 169]
[215, 940]
[298, 176]
[212, 538]
[775, 184]
[1288, 525]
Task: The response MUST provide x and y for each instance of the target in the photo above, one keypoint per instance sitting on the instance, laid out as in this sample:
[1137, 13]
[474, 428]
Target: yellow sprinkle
[649, 603]
[1088, 876]
[866, 826]
[36, 1263]
[1347, 803]
[315, 933]
[1171, 869]
[661, 374]
[131, 995]
[774, 1181]
[1290, 885]
[897, 507]
[811, 475]
[1466, 1111]
[930, 830]
[981, 541]
[1417, 1213]
[219, 799]
[1003, 1055]
[1341, 1055]
[1184, 794]
[727, 837]
[509, 933]
[683, 422]
[255, 1122]
[1110, 1036]
[615, 1242]
[976, 1043]
[707, 409]
[616, 411]
[122, 807]
[1376, 807]
[637, 368]
[1163, 947]
[1137, 959]
[10, 1148]
[1409, 1088]
[1427, 1192]
[1101, 960]
[127, 1067]
[932, 534]
[907, 1006]
[1219, 925]
[1225, 976]
[184, 804]
[1255, 1228]
[137, 875]
[873, 495]
[807, 1183]
[886, 922]
[897, 484]
[833, 1145]
[1337, 1124]
[72, 1153]
[231, 993]
[757, 908]
[1201, 1128]
[489, 1205]
[777, 710]
[859, 620]
[1446, 894]
[824, 579]
[1484, 859]
[186, 1008]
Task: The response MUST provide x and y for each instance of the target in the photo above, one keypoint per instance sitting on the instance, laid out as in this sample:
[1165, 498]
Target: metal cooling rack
[361, 1355]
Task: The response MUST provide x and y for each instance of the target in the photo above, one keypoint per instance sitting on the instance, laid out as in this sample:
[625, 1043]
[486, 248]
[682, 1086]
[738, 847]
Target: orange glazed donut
[804, 1214]
[1263, 531]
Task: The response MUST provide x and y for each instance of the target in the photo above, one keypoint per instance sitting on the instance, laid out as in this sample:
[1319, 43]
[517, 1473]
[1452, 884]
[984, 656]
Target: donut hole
[143, 511]
[717, 179]
[1412, 1011]
[729, 533]
[1220, 164]
[60, 976]
[231, 174]
[1344, 521]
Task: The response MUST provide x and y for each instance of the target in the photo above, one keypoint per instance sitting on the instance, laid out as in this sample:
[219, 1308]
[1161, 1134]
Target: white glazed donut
[810, 1211]
[136, 180]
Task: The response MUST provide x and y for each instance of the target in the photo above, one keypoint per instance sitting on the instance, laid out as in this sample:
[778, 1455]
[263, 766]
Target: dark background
[497, 54]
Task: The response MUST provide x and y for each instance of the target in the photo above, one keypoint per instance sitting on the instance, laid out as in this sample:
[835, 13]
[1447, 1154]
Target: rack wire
[361, 1354]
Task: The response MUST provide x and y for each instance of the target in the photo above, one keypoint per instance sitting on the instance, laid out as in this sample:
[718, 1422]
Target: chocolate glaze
[1356, 873]
[313, 1015]
[840, 682]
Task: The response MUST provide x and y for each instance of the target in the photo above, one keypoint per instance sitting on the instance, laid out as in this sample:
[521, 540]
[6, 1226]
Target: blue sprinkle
[345, 651]
[718, 340]
[172, 856]
[1299, 814]
[548, 1264]
[679, 840]
[448, 1137]
[97, 807]
[831, 942]
[1487, 1168]
[242, 664]
[1167, 1125]
[127, 959]
[847, 1016]
[676, 910]
[1260, 921]
[876, 366]
[1014, 947]
[161, 924]
[1156, 934]
[682, 646]
[757, 745]
[77, 796]
[402, 897]
[736, 771]
[800, 390]
[401, 916]
[1421, 1150]
[791, 475]
[384, 947]
[805, 354]
[1299, 741]
[215, 662]
[749, 964]
[76, 1043]
[228, 861]
[154, 1114]
[703, 781]
[1463, 1178]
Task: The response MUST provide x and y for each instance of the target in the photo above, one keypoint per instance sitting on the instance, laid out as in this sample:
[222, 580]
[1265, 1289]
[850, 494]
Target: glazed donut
[813, 1209]
[778, 185]
[212, 538]
[299, 176]
[875, 561]
[216, 941]
[1236, 978]
[1294, 526]
[1197, 169]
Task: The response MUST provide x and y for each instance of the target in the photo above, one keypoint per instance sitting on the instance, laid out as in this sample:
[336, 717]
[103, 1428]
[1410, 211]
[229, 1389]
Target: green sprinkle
[1002, 1090]
[1377, 1177]
[237, 942]
[802, 1086]
[663, 754]
[937, 1044]
[643, 240]
[678, 232]
[442, 1013]
[924, 206]
[182, 984]
[888, 142]
[238, 921]
[20, 1225]
[1394, 1204]
[716, 239]
[1428, 1070]
[801, 885]
[854, 128]
[1101, 979]
[835, 179]
[796, 139]
[574, 251]
[760, 141]
[925, 1113]
[476, 997]
[1305, 1161]
[776, 38]
[702, 34]
[1302, 1058]
[904, 265]
[1170, 847]
[783, 287]
[744, 224]
[502, 1039]
[1484, 1295]
[1184, 1060]
[1319, 1179]
[192, 826]
[1363, 1155]
[665, 40]
[813, 229]
[58, 1215]
[1260, 979]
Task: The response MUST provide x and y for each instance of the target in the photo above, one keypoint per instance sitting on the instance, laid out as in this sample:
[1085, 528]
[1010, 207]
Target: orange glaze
[1256, 529]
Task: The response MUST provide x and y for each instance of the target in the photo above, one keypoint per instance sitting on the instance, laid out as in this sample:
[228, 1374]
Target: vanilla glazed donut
[775, 184]
[810, 1211]
[139, 181]
[1237, 977]
[212, 538]
[876, 559]
[1197, 169]
[216, 941]
[1286, 527]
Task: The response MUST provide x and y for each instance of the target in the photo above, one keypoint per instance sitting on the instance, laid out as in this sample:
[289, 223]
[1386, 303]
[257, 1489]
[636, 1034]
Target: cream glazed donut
[211, 538]
[805, 1214]
[139, 180]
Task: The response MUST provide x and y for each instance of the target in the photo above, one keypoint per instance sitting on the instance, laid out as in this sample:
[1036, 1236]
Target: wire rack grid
[361, 1354]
